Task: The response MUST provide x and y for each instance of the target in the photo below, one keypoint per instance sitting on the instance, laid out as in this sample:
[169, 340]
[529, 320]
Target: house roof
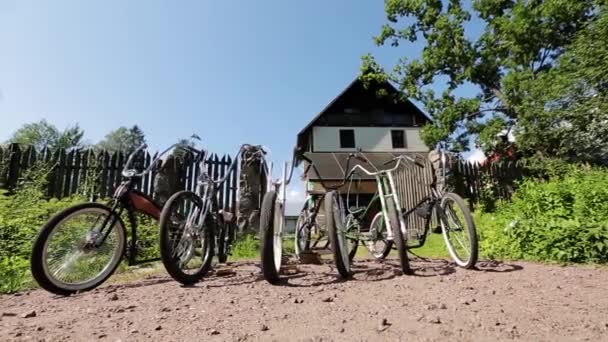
[353, 92]
[332, 166]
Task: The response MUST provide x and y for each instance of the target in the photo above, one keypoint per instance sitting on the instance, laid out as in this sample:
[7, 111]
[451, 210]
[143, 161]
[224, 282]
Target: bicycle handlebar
[126, 168]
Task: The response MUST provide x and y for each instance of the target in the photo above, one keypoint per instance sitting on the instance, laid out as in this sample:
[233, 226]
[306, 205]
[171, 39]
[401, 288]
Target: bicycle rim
[378, 246]
[70, 259]
[187, 238]
[456, 231]
[278, 235]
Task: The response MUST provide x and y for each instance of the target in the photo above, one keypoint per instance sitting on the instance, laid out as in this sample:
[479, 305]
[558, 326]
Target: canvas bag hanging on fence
[252, 187]
[442, 183]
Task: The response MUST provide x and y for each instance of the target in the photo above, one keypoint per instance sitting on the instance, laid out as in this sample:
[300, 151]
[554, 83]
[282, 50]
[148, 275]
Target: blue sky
[232, 71]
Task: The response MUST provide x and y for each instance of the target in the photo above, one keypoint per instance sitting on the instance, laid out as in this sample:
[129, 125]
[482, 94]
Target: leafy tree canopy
[523, 46]
[43, 134]
[123, 139]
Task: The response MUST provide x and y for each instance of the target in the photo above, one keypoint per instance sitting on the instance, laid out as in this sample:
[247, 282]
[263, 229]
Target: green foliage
[43, 134]
[14, 272]
[562, 219]
[123, 139]
[246, 247]
[22, 215]
[522, 49]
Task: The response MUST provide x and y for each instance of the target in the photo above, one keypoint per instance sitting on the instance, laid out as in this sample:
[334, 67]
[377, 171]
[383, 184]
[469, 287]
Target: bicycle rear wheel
[65, 257]
[335, 228]
[459, 232]
[378, 245]
[186, 246]
[303, 231]
[272, 245]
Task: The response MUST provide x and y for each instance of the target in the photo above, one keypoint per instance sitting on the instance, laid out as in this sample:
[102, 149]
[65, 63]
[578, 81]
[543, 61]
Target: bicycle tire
[166, 250]
[267, 226]
[299, 246]
[472, 230]
[341, 258]
[400, 240]
[38, 269]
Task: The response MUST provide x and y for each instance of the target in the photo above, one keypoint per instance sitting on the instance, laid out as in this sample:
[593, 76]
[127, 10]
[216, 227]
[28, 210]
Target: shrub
[562, 219]
[22, 215]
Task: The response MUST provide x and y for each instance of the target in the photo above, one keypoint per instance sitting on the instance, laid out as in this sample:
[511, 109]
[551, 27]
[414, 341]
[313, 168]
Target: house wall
[369, 139]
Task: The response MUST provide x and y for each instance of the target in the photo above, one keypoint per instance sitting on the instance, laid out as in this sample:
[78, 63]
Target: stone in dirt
[328, 300]
[158, 328]
[29, 314]
[113, 297]
[435, 320]
[214, 332]
[264, 327]
[224, 272]
[310, 258]
[289, 270]
[383, 325]
[9, 314]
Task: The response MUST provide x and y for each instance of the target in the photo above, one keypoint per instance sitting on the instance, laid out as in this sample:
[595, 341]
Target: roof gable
[357, 104]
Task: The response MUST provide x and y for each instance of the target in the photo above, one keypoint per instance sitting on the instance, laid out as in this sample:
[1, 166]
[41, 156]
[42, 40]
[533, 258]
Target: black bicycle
[455, 220]
[81, 247]
[192, 226]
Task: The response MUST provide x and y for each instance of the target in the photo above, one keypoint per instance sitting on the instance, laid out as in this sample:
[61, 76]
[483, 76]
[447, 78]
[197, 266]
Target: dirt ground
[521, 301]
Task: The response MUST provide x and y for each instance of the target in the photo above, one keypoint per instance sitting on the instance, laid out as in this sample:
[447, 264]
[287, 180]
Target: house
[290, 224]
[381, 127]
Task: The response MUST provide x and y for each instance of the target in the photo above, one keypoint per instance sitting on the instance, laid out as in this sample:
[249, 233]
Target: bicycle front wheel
[186, 245]
[72, 253]
[399, 235]
[335, 228]
[459, 232]
[272, 245]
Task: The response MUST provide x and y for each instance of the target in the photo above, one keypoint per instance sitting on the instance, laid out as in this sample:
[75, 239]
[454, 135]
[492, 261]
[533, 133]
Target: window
[398, 138]
[347, 138]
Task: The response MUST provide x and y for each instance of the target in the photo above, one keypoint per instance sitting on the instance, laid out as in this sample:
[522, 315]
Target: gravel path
[521, 301]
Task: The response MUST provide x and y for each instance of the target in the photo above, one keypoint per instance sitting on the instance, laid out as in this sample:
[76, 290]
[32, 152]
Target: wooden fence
[470, 180]
[88, 172]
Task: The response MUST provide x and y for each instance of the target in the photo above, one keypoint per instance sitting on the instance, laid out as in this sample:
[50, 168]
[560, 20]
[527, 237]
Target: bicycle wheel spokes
[187, 236]
[71, 257]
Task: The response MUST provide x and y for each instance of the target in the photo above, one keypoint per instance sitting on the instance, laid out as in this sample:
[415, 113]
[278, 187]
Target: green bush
[22, 215]
[15, 274]
[246, 247]
[562, 219]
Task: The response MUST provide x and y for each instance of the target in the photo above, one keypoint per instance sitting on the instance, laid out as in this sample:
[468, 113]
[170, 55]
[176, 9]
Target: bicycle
[273, 219]
[192, 226]
[95, 236]
[308, 234]
[443, 205]
[340, 233]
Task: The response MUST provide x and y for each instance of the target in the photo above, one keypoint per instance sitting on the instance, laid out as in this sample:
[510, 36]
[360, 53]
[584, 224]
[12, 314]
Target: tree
[43, 134]
[522, 42]
[123, 139]
[566, 112]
